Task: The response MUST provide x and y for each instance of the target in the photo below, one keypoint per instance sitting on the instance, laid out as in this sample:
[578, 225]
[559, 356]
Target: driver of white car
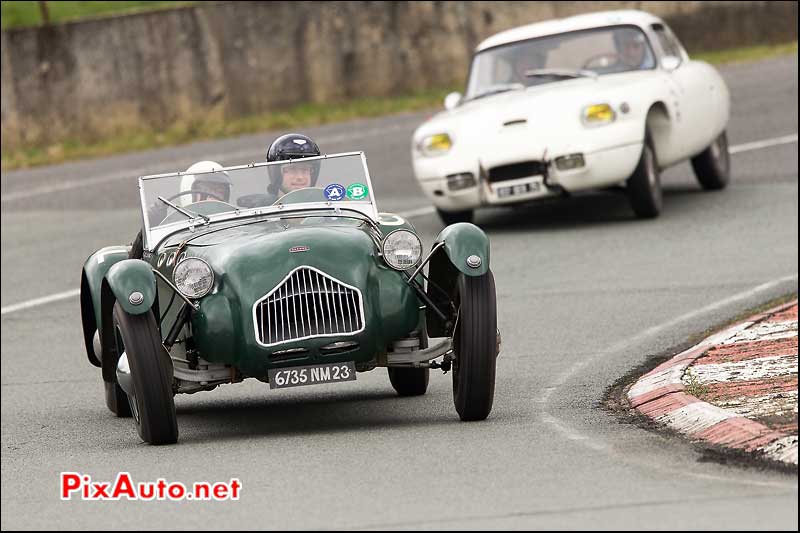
[632, 51]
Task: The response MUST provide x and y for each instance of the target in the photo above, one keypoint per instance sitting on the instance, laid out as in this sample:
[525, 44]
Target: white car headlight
[437, 144]
[402, 249]
[193, 277]
[598, 114]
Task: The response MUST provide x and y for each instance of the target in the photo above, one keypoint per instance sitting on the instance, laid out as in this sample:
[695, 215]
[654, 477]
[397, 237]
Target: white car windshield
[557, 57]
[172, 202]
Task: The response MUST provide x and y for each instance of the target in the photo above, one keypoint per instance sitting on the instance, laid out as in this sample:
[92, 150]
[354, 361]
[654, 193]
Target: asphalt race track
[585, 293]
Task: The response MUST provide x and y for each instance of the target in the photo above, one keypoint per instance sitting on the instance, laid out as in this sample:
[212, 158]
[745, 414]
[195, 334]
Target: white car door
[695, 96]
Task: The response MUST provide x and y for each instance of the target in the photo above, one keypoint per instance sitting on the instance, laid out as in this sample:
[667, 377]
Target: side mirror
[452, 100]
[670, 63]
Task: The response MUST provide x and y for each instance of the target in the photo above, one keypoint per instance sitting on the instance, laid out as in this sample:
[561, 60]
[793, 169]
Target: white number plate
[297, 376]
[523, 188]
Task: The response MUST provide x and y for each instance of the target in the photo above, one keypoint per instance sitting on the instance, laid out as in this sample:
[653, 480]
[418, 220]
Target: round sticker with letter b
[357, 191]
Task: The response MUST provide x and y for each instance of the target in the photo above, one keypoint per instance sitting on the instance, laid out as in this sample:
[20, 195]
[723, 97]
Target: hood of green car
[249, 260]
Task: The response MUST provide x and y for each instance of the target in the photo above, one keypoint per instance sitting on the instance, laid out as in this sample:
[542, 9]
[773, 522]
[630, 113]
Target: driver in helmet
[207, 181]
[204, 180]
[298, 174]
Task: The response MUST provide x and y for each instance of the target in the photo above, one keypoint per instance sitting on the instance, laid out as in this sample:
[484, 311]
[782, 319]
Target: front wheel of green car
[152, 403]
[409, 381]
[475, 347]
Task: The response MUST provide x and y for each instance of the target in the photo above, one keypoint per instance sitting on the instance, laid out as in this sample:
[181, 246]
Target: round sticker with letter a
[357, 191]
[334, 192]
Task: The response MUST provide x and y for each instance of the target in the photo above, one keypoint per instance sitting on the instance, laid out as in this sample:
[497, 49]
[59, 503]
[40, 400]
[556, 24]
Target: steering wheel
[601, 60]
[184, 193]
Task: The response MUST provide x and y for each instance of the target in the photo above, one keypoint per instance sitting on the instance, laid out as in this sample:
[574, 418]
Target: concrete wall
[88, 79]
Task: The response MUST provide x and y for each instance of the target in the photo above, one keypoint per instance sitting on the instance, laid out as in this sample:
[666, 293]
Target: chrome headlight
[598, 114]
[437, 144]
[193, 277]
[402, 249]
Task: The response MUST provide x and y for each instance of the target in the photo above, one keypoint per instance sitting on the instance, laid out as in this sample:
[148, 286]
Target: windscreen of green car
[175, 201]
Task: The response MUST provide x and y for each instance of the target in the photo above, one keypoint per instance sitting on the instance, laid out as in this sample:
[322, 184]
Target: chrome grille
[306, 304]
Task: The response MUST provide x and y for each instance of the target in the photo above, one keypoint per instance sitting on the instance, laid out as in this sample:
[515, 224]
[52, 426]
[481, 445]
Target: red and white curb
[661, 395]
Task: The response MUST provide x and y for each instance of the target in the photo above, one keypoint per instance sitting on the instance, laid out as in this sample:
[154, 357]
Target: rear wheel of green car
[409, 381]
[475, 347]
[152, 404]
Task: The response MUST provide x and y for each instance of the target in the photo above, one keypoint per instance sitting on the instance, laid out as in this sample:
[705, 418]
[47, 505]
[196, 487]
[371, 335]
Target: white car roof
[576, 23]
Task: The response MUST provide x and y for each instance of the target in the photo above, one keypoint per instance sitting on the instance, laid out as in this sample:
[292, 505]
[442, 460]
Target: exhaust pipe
[124, 375]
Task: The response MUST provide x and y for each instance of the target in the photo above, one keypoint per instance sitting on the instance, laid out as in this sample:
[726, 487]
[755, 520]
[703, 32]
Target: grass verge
[746, 54]
[298, 116]
[23, 14]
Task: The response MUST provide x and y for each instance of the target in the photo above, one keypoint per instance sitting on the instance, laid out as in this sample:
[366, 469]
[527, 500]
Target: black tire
[644, 185]
[475, 347]
[453, 217]
[117, 400]
[153, 405]
[712, 166]
[409, 381]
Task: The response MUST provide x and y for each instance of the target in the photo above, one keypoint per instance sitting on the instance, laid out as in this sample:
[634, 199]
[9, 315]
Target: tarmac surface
[585, 293]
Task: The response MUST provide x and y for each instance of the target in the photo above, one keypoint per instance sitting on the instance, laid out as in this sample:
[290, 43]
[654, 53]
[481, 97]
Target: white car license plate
[297, 376]
[516, 190]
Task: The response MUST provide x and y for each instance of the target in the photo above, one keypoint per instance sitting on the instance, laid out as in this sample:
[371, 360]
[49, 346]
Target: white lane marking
[75, 292]
[40, 301]
[180, 163]
[74, 184]
[748, 370]
[636, 340]
[421, 211]
[766, 143]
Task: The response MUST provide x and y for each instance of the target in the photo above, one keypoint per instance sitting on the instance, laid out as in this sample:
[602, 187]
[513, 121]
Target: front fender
[458, 243]
[129, 277]
[464, 240]
[94, 272]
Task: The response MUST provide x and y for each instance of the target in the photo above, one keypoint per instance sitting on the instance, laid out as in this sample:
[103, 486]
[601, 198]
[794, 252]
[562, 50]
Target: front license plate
[514, 190]
[297, 376]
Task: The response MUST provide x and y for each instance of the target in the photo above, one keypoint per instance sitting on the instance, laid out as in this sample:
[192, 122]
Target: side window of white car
[669, 44]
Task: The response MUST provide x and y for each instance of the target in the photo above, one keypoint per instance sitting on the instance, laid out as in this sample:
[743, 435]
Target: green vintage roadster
[314, 286]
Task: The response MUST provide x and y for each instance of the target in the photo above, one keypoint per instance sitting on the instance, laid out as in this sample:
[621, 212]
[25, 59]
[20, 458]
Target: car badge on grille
[295, 249]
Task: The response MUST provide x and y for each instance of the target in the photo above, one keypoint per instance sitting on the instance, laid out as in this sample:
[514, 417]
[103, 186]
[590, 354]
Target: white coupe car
[587, 102]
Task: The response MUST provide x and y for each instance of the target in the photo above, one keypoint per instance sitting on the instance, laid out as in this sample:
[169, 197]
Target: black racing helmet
[291, 146]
